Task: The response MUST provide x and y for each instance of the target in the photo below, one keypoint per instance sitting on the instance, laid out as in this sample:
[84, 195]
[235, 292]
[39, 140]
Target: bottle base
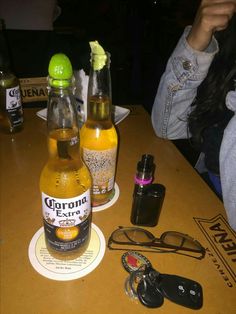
[11, 130]
[102, 199]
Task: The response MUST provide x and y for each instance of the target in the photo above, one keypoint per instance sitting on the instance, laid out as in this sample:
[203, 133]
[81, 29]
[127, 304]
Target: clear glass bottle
[11, 112]
[99, 138]
[65, 181]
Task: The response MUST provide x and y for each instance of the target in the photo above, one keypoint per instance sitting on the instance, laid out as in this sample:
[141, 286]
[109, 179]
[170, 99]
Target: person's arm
[185, 71]
[227, 163]
[187, 67]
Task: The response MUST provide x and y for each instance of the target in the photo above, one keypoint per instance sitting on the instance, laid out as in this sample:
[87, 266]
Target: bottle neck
[62, 113]
[99, 89]
[8, 79]
[4, 50]
[59, 92]
[62, 125]
[99, 108]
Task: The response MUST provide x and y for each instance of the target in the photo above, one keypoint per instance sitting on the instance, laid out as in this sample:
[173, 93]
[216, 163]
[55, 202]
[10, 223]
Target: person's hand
[212, 16]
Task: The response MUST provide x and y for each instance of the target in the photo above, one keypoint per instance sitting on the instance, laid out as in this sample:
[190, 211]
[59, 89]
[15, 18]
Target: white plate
[119, 113]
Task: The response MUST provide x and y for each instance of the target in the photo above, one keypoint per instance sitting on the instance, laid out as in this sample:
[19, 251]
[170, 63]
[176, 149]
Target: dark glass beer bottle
[11, 112]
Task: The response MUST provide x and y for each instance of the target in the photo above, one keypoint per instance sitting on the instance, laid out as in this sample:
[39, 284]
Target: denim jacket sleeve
[227, 163]
[185, 70]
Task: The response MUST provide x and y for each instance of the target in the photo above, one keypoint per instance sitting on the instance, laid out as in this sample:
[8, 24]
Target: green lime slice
[96, 48]
[99, 56]
[60, 70]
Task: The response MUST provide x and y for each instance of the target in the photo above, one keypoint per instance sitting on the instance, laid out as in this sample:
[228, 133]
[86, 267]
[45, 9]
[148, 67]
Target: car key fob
[180, 290]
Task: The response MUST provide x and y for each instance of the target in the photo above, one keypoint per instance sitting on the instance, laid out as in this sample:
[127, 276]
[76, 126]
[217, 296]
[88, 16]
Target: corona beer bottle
[11, 112]
[98, 134]
[65, 181]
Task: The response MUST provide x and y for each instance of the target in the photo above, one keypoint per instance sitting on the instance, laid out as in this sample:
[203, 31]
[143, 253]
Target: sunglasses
[129, 238]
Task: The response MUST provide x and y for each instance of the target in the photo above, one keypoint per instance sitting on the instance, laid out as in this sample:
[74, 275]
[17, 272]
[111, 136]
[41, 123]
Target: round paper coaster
[111, 202]
[55, 269]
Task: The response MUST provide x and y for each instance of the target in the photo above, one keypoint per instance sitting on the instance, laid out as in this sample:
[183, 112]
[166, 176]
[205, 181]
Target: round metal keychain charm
[133, 261]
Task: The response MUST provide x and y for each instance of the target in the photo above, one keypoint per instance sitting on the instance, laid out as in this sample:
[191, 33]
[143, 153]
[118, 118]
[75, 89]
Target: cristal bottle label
[13, 98]
[14, 106]
[102, 166]
[66, 221]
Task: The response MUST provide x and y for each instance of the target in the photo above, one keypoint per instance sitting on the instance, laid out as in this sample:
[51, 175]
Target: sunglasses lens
[132, 235]
[180, 240]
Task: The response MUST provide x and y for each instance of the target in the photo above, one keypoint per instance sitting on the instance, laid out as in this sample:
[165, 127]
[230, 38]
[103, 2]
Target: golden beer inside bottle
[64, 178]
[99, 149]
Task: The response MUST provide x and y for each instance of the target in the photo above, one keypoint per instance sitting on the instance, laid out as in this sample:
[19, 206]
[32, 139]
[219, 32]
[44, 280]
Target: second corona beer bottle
[65, 181]
[98, 134]
[11, 112]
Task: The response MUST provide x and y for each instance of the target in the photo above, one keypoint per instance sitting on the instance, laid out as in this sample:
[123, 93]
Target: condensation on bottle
[65, 181]
[99, 138]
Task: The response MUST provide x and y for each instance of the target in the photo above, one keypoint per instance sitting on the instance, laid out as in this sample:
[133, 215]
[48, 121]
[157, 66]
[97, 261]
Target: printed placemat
[55, 269]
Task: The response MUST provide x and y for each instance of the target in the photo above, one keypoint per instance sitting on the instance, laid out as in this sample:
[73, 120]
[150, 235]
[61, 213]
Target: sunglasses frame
[154, 244]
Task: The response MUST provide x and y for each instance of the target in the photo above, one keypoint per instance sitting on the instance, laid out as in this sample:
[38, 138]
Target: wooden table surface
[189, 207]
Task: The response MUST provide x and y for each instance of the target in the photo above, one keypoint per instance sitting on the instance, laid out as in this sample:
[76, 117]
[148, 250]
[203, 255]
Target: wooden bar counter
[189, 207]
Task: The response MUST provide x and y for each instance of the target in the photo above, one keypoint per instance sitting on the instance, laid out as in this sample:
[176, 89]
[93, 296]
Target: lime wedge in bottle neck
[99, 56]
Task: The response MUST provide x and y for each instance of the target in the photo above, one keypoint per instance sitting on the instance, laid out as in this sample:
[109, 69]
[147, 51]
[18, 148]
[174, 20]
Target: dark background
[140, 36]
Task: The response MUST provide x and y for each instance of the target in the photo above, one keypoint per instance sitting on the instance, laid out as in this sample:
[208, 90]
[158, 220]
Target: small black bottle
[147, 197]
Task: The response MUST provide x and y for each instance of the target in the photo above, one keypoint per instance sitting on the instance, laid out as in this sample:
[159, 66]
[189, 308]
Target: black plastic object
[147, 204]
[145, 170]
[149, 295]
[148, 290]
[180, 290]
[147, 197]
[153, 287]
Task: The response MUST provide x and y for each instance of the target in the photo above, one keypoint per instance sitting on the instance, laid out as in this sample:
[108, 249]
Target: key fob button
[195, 293]
[181, 289]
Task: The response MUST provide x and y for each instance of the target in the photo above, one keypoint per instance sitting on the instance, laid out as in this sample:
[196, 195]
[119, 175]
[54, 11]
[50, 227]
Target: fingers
[212, 15]
[216, 14]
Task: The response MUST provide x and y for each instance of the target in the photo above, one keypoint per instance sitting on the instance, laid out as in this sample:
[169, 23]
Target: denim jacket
[185, 70]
